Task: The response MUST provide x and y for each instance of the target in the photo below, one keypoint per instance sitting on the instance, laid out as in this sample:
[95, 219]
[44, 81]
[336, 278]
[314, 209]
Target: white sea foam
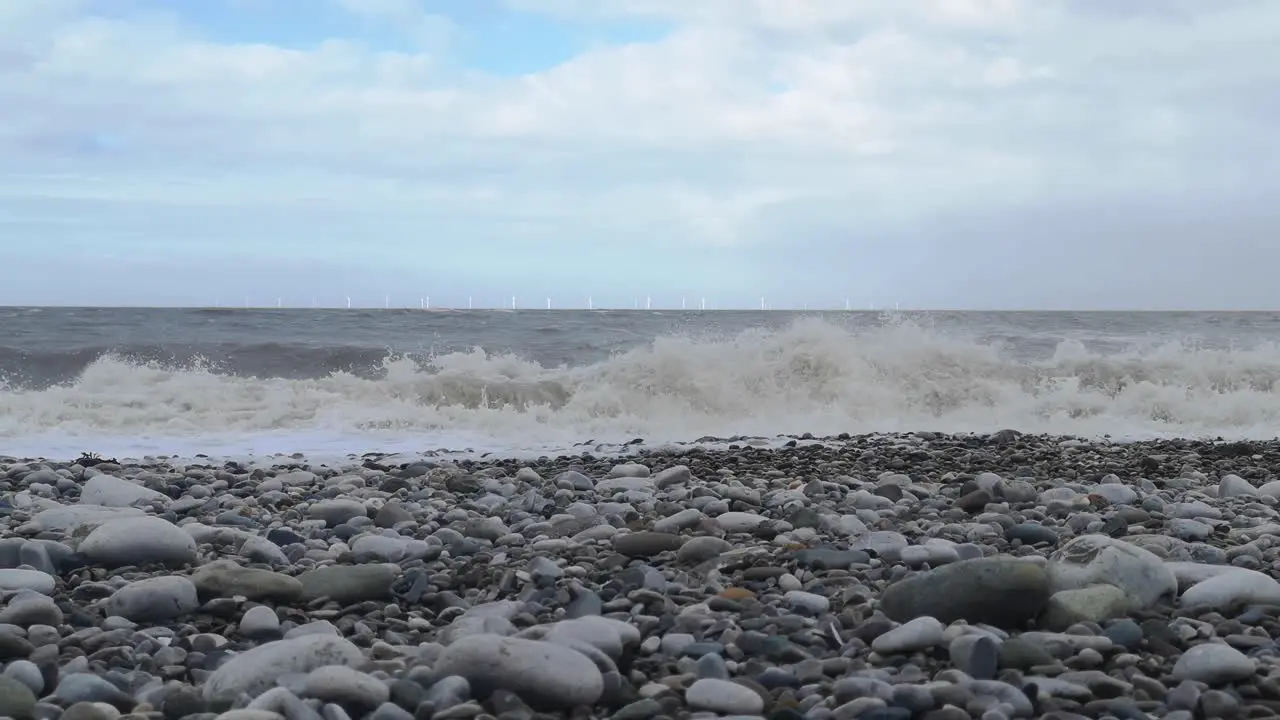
[812, 377]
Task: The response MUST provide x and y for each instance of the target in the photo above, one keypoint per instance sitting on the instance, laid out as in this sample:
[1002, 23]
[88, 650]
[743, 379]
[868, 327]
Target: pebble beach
[877, 577]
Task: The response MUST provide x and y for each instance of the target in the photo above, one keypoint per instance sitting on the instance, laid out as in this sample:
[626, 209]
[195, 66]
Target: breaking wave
[811, 376]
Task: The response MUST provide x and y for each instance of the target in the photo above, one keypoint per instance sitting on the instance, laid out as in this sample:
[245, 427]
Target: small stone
[260, 622]
[83, 687]
[646, 543]
[639, 710]
[975, 655]
[1232, 590]
[830, 558]
[28, 607]
[1031, 534]
[341, 684]
[1219, 704]
[740, 522]
[629, 470]
[918, 634]
[447, 692]
[182, 701]
[683, 520]
[1020, 654]
[16, 697]
[737, 593]
[701, 549]
[337, 512]
[256, 670]
[90, 711]
[810, 603]
[21, 579]
[541, 673]
[225, 578]
[138, 541]
[1095, 604]
[154, 599]
[1126, 633]
[390, 515]
[110, 491]
[1214, 664]
[723, 697]
[1000, 591]
[27, 673]
[1098, 559]
[347, 584]
[1235, 486]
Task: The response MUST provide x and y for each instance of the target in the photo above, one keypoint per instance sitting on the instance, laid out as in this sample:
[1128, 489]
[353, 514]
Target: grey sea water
[174, 380]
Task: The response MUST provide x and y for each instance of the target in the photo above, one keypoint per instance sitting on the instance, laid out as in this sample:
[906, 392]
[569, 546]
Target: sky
[1050, 154]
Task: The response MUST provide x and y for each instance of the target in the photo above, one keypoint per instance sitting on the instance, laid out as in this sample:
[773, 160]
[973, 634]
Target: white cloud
[816, 126]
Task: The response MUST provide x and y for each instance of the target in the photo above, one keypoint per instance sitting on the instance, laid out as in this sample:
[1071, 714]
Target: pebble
[1231, 590]
[918, 634]
[723, 697]
[22, 579]
[1098, 559]
[341, 684]
[647, 544]
[347, 584]
[543, 673]
[17, 698]
[154, 599]
[260, 621]
[975, 655]
[1213, 664]
[1092, 604]
[226, 578]
[1002, 591]
[27, 607]
[256, 670]
[138, 541]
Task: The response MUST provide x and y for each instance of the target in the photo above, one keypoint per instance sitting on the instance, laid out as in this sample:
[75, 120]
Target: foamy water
[809, 376]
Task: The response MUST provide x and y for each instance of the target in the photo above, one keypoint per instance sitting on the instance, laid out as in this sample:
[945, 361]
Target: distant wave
[266, 360]
[809, 377]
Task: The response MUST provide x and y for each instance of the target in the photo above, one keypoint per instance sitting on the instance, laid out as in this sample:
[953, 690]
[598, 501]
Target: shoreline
[639, 448]
[885, 576]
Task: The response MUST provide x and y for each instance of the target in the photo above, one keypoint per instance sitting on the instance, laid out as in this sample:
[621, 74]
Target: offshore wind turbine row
[513, 303]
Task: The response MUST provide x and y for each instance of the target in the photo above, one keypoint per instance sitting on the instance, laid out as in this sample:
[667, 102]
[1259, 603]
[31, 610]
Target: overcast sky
[939, 153]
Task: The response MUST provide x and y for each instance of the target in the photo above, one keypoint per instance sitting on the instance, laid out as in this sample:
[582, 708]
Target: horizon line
[536, 309]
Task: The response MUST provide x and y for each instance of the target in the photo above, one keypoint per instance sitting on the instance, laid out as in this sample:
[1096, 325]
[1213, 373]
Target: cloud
[806, 149]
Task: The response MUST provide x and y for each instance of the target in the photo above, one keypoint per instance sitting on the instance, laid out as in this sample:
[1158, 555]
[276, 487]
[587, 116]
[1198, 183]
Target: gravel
[878, 577]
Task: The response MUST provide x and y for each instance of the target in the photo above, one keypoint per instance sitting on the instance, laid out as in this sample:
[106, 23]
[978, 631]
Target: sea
[123, 382]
